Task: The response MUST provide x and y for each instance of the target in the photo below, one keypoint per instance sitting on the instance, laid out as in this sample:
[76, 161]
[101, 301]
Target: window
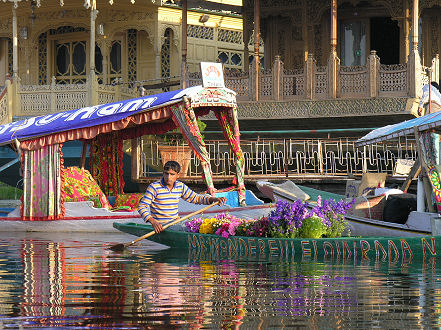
[70, 62]
[230, 59]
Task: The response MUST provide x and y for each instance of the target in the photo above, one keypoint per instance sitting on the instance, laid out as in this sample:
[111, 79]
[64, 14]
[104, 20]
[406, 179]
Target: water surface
[74, 280]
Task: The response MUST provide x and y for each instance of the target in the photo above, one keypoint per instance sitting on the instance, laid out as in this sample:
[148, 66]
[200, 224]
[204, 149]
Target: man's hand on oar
[157, 226]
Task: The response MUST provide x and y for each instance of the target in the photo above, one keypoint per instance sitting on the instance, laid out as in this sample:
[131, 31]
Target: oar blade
[118, 247]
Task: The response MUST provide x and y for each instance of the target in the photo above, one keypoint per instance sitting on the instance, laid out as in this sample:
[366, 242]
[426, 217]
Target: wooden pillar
[184, 45]
[256, 48]
[277, 78]
[414, 62]
[14, 43]
[435, 68]
[374, 68]
[333, 26]
[93, 14]
[333, 60]
[415, 19]
[246, 40]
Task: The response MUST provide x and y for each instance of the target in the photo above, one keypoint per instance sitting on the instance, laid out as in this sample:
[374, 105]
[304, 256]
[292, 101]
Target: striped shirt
[162, 203]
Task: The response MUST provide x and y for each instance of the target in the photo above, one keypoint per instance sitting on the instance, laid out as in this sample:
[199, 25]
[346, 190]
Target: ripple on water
[76, 281]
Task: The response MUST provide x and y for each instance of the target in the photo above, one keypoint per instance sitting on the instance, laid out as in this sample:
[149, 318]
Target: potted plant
[173, 147]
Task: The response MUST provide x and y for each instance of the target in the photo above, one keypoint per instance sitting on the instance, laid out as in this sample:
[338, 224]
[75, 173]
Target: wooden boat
[365, 217]
[392, 215]
[390, 249]
[102, 128]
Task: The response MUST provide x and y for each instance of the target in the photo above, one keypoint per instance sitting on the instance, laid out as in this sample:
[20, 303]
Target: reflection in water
[61, 281]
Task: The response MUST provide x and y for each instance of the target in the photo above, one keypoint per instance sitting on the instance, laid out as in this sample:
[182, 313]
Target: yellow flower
[207, 226]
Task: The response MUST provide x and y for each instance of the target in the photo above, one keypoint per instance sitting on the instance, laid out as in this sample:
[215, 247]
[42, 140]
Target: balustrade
[290, 158]
[37, 100]
[313, 82]
[276, 83]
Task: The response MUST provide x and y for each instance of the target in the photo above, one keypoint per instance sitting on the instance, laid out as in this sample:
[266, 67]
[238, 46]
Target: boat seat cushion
[129, 200]
[79, 185]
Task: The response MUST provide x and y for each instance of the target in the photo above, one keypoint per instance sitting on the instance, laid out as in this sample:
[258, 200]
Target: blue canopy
[89, 116]
[432, 120]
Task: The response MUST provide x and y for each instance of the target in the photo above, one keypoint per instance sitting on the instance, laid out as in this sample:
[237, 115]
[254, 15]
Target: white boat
[38, 142]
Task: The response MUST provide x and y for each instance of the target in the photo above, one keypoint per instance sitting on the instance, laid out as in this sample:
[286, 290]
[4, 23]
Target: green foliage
[313, 227]
[338, 225]
[244, 228]
[281, 233]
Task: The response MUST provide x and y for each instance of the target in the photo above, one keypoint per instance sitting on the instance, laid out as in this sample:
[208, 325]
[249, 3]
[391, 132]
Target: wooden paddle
[121, 246]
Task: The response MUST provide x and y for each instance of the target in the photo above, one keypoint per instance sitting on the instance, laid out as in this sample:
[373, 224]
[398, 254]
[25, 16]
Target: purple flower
[287, 217]
[194, 224]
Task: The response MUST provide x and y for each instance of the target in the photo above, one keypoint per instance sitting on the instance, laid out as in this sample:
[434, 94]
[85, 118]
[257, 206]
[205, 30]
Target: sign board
[212, 74]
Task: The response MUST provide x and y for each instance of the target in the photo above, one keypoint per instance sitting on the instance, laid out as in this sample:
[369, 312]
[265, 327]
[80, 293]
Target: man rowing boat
[160, 202]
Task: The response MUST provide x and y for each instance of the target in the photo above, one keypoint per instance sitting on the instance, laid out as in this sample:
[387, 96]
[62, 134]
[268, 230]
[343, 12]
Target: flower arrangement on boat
[288, 220]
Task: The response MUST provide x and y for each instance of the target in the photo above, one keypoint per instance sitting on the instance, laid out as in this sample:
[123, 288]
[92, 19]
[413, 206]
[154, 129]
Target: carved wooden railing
[354, 81]
[36, 100]
[315, 82]
[311, 82]
[393, 80]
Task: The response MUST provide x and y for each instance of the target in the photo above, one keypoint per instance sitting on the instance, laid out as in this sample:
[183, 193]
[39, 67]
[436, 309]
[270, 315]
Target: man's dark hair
[172, 165]
[435, 84]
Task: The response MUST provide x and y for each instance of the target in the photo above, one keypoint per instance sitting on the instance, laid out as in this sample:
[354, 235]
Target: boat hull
[385, 249]
[83, 217]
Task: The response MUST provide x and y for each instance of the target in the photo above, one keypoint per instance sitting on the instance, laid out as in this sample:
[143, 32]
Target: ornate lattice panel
[42, 59]
[106, 94]
[266, 83]
[131, 55]
[251, 42]
[230, 36]
[165, 56]
[36, 103]
[237, 81]
[321, 81]
[10, 57]
[3, 106]
[37, 100]
[393, 78]
[66, 29]
[293, 83]
[194, 79]
[200, 32]
[354, 80]
[71, 100]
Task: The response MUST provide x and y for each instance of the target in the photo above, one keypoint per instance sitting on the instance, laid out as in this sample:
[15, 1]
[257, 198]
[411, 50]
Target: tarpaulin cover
[432, 120]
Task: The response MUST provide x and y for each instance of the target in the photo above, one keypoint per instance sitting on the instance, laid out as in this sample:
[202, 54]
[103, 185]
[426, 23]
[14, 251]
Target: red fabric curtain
[106, 163]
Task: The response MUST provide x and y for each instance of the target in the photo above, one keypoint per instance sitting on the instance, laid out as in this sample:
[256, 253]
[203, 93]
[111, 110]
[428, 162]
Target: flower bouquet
[288, 220]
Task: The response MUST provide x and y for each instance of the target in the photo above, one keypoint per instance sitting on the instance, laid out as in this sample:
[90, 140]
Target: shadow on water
[59, 280]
